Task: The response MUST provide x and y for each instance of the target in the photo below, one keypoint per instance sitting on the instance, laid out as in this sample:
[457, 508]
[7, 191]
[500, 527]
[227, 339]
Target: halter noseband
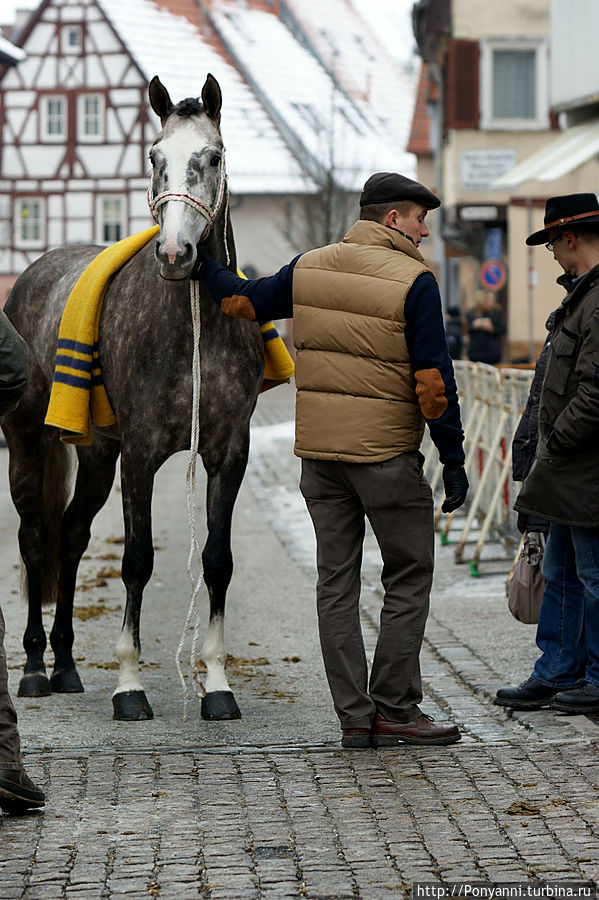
[210, 214]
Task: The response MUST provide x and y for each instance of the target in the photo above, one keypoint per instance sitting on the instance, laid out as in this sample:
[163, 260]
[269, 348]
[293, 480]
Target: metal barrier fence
[491, 401]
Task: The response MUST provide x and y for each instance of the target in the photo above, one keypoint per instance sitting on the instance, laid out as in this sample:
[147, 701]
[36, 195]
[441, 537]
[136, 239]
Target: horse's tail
[59, 468]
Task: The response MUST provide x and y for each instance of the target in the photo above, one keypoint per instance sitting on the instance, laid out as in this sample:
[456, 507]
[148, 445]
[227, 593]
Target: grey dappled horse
[146, 347]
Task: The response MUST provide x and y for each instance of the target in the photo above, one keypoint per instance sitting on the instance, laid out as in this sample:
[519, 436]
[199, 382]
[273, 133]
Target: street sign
[492, 274]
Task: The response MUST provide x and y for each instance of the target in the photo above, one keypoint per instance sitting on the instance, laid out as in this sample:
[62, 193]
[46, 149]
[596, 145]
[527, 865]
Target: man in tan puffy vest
[372, 367]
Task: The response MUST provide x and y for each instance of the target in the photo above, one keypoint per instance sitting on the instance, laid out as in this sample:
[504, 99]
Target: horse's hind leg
[223, 487]
[34, 457]
[95, 476]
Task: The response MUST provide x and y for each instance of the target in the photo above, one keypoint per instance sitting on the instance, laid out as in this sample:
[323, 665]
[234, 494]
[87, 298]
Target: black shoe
[583, 699]
[18, 793]
[531, 694]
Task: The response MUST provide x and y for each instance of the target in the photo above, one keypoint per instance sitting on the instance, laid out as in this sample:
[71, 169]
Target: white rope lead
[192, 622]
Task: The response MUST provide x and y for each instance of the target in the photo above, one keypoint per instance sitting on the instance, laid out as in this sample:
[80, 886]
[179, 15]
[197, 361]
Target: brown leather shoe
[355, 738]
[420, 731]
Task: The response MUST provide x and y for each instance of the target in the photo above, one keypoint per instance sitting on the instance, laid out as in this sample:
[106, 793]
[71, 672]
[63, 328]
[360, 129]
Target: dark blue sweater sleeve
[434, 379]
[271, 296]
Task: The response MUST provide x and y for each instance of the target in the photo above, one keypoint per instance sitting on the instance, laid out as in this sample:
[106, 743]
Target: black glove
[526, 522]
[202, 256]
[456, 486]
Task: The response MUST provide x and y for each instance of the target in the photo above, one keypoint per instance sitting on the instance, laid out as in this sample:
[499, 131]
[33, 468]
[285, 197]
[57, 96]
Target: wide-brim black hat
[389, 187]
[567, 210]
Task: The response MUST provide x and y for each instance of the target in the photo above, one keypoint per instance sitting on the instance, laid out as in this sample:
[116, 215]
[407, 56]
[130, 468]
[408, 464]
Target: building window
[53, 116]
[111, 226]
[514, 78]
[29, 226]
[71, 39]
[90, 124]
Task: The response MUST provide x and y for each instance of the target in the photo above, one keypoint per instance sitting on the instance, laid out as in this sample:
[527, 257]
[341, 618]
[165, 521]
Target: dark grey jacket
[563, 484]
[14, 366]
[526, 437]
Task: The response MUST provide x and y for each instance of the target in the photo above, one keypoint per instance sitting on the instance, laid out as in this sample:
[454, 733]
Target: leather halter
[210, 214]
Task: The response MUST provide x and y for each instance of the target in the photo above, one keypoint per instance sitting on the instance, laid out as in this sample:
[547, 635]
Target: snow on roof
[9, 53]
[382, 87]
[300, 93]
[170, 46]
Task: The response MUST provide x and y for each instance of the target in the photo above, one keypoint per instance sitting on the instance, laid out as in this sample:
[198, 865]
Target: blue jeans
[568, 629]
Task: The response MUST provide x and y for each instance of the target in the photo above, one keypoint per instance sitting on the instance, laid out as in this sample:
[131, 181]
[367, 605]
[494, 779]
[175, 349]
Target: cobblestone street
[270, 806]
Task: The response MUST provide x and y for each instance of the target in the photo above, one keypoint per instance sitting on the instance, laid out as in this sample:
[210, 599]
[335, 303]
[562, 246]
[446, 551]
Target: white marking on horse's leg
[214, 655]
[128, 657]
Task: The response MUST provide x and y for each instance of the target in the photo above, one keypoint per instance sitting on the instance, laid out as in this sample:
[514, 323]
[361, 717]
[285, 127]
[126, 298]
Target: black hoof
[220, 705]
[66, 681]
[132, 706]
[34, 684]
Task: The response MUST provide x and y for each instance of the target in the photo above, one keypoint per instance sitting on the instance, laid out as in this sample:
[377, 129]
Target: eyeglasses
[552, 243]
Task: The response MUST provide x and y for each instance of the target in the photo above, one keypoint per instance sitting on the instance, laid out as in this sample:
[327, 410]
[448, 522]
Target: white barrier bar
[491, 401]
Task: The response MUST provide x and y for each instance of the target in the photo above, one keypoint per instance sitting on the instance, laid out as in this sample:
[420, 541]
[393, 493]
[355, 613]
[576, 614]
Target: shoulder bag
[525, 583]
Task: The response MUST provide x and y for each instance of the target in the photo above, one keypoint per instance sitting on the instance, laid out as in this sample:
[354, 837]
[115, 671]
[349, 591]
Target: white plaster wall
[79, 232]
[99, 160]
[104, 39]
[94, 71]
[12, 167]
[258, 225]
[41, 161]
[78, 204]
[55, 206]
[55, 232]
[41, 40]
[122, 98]
[510, 18]
[525, 143]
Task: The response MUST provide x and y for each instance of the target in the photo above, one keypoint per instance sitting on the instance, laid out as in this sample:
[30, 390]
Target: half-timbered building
[76, 124]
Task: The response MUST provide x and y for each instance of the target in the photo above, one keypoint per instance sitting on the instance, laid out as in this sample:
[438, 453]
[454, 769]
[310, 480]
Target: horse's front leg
[129, 699]
[223, 487]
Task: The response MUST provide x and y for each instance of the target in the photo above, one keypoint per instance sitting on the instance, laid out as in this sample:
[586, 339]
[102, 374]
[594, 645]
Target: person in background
[562, 486]
[486, 325]
[372, 367]
[17, 791]
[454, 331]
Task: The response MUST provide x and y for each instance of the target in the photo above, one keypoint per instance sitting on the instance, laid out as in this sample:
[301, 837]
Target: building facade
[486, 94]
[303, 126]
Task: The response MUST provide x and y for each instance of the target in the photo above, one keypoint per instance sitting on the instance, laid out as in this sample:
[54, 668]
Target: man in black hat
[563, 484]
[372, 367]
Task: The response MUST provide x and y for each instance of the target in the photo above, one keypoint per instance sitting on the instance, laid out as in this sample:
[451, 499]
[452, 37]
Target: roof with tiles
[338, 131]
[294, 98]
[349, 47]
[170, 46]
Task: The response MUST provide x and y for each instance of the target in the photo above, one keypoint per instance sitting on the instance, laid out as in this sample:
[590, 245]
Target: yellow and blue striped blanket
[78, 398]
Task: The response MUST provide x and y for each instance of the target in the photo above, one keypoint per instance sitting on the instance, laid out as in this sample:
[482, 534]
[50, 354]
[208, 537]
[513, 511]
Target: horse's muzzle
[176, 265]
[172, 273]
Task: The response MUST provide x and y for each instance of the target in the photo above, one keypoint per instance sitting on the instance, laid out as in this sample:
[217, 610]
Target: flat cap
[389, 187]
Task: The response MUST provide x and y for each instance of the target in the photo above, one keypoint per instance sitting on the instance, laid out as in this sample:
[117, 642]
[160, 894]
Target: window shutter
[461, 85]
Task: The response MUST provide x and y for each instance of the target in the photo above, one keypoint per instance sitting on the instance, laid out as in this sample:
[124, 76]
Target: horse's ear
[159, 99]
[212, 97]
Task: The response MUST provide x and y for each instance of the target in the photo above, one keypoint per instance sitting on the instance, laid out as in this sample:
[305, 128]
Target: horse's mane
[191, 106]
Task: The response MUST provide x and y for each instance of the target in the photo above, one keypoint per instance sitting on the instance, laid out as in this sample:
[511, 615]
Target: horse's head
[188, 178]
